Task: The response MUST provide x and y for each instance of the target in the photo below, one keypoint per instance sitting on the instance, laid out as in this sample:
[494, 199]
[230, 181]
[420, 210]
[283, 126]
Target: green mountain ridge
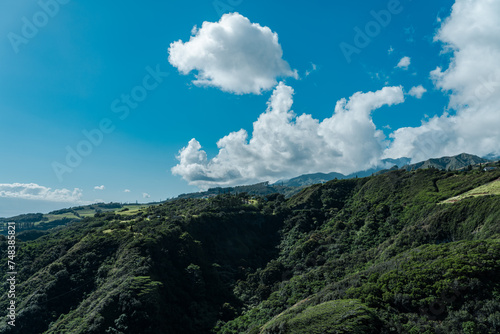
[292, 186]
[379, 254]
[449, 163]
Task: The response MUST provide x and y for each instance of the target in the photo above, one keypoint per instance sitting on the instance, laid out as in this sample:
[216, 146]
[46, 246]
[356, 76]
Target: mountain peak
[459, 161]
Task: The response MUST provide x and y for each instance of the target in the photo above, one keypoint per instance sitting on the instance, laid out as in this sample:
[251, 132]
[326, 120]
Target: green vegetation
[492, 188]
[60, 218]
[339, 316]
[369, 255]
[258, 189]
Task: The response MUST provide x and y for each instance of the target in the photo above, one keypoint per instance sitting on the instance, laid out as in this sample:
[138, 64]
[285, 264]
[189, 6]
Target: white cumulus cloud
[417, 91]
[126, 191]
[404, 63]
[473, 81]
[33, 191]
[102, 187]
[233, 54]
[284, 144]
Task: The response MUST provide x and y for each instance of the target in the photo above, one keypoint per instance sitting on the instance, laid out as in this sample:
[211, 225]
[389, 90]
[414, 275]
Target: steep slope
[492, 188]
[168, 269]
[342, 237]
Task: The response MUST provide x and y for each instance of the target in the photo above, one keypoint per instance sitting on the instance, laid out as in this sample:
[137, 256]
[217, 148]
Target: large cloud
[284, 145]
[233, 54]
[473, 81]
[32, 191]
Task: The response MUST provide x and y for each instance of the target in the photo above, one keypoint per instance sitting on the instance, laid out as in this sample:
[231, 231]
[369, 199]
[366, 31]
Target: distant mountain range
[449, 163]
[308, 179]
[445, 163]
[492, 157]
[294, 185]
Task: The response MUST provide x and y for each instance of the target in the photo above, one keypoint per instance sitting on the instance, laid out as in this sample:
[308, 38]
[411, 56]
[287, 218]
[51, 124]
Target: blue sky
[67, 67]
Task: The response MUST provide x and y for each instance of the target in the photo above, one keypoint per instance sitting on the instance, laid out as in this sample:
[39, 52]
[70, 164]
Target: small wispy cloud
[194, 30]
[146, 195]
[410, 32]
[313, 69]
[391, 50]
[33, 191]
[126, 191]
[404, 63]
[417, 91]
[101, 187]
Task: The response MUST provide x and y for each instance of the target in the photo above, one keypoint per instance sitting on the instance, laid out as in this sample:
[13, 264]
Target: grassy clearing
[52, 218]
[90, 212]
[254, 202]
[492, 188]
[132, 209]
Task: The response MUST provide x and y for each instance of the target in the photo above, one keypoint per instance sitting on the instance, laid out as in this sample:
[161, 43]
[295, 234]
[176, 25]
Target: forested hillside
[382, 254]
